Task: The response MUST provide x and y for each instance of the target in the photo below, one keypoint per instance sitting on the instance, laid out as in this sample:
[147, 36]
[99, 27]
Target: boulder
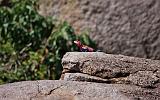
[110, 68]
[61, 90]
[137, 78]
[128, 27]
[92, 76]
[72, 90]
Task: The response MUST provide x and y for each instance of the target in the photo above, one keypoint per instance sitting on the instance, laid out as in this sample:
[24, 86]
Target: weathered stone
[144, 78]
[88, 78]
[60, 90]
[84, 78]
[69, 90]
[128, 27]
[115, 68]
[141, 76]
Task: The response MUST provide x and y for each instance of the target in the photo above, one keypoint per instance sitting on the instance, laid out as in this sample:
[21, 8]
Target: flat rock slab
[72, 90]
[132, 70]
[59, 90]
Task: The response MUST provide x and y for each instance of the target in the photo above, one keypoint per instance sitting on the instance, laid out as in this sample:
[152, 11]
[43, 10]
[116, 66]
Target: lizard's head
[78, 43]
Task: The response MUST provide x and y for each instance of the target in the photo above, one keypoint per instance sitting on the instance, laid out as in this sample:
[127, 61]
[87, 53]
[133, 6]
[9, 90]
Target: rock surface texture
[128, 27]
[62, 90]
[92, 76]
[114, 69]
[71, 90]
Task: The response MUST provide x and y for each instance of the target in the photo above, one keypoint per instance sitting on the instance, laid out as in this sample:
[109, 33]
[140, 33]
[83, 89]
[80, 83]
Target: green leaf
[44, 24]
[5, 25]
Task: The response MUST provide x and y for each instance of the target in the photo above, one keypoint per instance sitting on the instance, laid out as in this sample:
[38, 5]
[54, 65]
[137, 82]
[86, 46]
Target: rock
[60, 90]
[144, 78]
[104, 76]
[88, 78]
[84, 78]
[71, 90]
[128, 27]
[115, 68]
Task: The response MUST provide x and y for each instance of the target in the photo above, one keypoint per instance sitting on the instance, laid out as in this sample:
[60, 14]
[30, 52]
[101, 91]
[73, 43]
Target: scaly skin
[83, 48]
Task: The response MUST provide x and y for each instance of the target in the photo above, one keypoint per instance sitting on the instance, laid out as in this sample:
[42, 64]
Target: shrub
[31, 46]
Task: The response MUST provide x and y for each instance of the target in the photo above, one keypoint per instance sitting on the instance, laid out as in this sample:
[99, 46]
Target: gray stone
[60, 90]
[69, 90]
[144, 78]
[115, 68]
[84, 78]
[88, 78]
[137, 78]
[128, 27]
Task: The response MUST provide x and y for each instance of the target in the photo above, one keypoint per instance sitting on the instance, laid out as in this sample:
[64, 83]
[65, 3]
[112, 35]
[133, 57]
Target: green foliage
[31, 46]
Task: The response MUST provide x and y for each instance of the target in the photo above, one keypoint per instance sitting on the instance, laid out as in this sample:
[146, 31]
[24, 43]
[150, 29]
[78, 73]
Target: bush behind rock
[31, 46]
